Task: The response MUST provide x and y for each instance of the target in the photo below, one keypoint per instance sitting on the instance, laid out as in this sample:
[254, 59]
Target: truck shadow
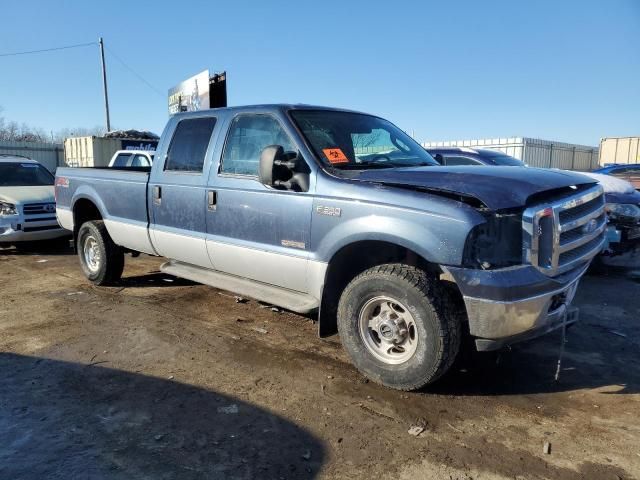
[531, 369]
[154, 279]
[602, 351]
[68, 420]
[51, 247]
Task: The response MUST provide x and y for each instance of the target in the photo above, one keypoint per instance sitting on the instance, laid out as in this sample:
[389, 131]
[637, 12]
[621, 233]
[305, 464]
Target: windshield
[504, 160]
[355, 141]
[24, 175]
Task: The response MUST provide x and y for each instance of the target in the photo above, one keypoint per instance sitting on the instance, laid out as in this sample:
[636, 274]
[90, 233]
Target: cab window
[122, 160]
[189, 144]
[248, 135]
[140, 160]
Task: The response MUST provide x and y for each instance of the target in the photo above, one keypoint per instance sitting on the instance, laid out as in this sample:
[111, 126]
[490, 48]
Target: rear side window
[248, 135]
[189, 144]
[140, 161]
[621, 171]
[455, 160]
[121, 160]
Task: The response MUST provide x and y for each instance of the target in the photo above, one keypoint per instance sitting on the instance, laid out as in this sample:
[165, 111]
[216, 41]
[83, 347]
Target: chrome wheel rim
[388, 330]
[91, 252]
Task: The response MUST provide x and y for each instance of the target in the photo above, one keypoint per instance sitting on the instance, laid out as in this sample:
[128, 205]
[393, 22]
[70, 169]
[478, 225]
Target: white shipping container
[90, 151]
[619, 150]
[534, 152]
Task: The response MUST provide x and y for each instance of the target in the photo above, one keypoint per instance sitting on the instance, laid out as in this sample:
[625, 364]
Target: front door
[178, 194]
[254, 231]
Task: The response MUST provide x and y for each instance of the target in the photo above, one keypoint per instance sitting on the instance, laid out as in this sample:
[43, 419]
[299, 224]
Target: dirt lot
[161, 378]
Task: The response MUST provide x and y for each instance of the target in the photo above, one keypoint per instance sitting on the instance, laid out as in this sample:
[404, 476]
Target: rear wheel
[102, 261]
[397, 326]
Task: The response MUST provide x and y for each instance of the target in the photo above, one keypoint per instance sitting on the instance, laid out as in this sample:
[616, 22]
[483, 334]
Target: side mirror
[268, 158]
[283, 170]
[439, 158]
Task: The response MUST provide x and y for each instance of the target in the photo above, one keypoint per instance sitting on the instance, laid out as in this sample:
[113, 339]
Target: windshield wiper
[364, 165]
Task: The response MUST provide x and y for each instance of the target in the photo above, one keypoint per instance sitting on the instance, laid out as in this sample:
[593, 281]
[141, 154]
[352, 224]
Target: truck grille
[38, 208]
[566, 233]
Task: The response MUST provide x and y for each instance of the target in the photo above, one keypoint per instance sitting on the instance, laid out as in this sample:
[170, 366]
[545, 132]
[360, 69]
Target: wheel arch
[354, 258]
[84, 208]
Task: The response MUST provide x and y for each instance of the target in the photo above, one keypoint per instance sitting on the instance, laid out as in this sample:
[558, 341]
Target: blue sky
[559, 70]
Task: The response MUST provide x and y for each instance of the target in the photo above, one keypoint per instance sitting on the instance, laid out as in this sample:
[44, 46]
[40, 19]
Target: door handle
[157, 194]
[212, 200]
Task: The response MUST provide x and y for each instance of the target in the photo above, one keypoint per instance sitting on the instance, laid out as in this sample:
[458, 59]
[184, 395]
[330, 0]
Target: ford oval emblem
[590, 226]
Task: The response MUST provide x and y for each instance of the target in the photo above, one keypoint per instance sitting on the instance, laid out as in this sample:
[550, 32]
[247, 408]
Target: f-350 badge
[329, 211]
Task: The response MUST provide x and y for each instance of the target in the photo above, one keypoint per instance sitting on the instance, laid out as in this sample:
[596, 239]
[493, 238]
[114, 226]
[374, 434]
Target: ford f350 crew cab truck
[286, 204]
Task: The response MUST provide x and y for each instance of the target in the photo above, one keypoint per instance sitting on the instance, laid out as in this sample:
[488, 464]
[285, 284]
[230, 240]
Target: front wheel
[397, 327]
[102, 261]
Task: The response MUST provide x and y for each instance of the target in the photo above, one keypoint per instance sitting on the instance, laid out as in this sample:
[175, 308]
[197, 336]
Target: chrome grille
[566, 233]
[39, 208]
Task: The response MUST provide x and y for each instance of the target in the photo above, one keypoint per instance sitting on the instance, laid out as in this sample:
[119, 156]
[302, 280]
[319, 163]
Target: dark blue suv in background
[628, 172]
[473, 156]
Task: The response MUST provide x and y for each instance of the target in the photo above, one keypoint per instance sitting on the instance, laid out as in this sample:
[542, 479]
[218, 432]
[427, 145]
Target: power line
[140, 77]
[47, 49]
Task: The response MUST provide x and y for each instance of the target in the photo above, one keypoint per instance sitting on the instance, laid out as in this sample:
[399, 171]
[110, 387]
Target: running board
[289, 299]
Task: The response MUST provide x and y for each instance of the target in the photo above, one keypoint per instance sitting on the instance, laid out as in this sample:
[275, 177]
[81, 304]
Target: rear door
[255, 231]
[177, 187]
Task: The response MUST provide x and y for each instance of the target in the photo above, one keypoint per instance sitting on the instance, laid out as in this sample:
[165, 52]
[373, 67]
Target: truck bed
[119, 193]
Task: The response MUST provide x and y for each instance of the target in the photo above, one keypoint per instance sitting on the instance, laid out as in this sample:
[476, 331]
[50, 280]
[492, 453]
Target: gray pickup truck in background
[341, 213]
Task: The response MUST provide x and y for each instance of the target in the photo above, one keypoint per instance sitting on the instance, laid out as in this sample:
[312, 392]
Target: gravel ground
[162, 378]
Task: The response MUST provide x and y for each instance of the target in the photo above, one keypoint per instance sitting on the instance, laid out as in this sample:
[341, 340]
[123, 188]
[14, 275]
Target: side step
[289, 299]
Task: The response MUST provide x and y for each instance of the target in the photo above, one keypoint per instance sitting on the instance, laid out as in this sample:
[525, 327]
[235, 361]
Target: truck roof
[10, 158]
[148, 152]
[268, 107]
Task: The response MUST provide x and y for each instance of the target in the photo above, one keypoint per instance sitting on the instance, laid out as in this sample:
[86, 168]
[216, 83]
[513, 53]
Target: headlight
[7, 209]
[623, 211]
[497, 243]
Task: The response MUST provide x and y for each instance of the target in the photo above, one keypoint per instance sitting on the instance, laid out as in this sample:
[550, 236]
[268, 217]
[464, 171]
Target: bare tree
[60, 135]
[14, 132]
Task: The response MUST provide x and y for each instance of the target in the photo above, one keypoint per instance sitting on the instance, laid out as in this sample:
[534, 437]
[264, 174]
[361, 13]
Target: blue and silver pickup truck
[400, 256]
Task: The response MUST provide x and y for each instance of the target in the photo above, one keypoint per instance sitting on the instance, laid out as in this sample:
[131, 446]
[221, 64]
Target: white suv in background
[27, 204]
[132, 158]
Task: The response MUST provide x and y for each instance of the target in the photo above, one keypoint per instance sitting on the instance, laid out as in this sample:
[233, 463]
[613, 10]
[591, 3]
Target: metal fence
[534, 152]
[51, 155]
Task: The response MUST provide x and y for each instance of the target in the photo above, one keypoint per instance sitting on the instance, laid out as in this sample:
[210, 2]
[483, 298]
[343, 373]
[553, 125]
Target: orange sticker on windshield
[335, 155]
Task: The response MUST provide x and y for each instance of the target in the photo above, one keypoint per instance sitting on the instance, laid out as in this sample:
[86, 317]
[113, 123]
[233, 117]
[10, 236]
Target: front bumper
[563, 316]
[510, 305]
[621, 238]
[15, 231]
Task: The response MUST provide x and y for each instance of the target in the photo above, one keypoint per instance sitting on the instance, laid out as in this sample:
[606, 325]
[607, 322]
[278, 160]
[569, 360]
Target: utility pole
[104, 84]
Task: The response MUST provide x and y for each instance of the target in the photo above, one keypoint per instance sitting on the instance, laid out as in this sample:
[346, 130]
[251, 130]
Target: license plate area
[633, 233]
[572, 315]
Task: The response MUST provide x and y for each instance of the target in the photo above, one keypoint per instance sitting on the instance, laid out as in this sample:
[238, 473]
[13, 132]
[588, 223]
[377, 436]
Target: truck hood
[497, 187]
[21, 195]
